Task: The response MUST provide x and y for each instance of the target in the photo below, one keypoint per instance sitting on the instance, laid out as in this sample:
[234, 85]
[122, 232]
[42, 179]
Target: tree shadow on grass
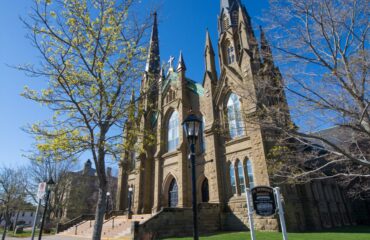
[346, 229]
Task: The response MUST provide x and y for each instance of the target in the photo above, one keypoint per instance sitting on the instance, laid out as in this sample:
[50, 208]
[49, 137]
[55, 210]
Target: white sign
[41, 190]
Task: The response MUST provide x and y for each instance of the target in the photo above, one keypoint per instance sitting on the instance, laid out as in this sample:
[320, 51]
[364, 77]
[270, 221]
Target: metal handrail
[76, 226]
[112, 218]
[85, 217]
[115, 213]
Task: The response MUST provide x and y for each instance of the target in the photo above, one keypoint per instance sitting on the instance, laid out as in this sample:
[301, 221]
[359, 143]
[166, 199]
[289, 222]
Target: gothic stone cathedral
[233, 153]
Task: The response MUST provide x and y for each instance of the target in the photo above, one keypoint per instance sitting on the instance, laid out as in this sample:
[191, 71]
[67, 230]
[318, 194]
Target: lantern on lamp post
[192, 128]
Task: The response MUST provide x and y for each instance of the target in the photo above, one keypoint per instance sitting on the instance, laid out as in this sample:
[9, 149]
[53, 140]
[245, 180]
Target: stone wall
[235, 218]
[171, 222]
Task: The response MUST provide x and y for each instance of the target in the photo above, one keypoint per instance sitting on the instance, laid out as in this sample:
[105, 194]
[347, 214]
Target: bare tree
[12, 193]
[92, 56]
[322, 48]
[43, 166]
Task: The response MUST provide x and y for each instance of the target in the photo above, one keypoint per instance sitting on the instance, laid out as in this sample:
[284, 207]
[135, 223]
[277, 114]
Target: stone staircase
[116, 227]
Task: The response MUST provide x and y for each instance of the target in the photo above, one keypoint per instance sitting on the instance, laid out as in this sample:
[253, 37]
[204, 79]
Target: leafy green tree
[91, 59]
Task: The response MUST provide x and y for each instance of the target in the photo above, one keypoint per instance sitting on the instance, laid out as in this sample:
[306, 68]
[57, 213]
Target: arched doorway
[173, 194]
[205, 190]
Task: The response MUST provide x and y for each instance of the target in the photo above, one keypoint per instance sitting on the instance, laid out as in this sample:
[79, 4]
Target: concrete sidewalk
[59, 237]
[55, 237]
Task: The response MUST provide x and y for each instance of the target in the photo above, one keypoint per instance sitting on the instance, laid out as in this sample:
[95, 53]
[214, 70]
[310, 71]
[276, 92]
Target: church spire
[153, 61]
[181, 67]
[265, 48]
[210, 57]
[209, 47]
[163, 75]
[229, 4]
[228, 15]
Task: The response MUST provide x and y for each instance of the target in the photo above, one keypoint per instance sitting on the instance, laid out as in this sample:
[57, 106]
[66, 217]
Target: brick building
[82, 191]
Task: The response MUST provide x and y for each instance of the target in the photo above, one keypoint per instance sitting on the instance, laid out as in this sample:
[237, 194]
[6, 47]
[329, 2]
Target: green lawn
[28, 233]
[353, 233]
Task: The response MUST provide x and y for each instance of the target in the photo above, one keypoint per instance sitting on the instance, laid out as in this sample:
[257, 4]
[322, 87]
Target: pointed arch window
[235, 121]
[249, 173]
[171, 95]
[203, 142]
[205, 191]
[133, 159]
[173, 132]
[241, 178]
[173, 194]
[235, 17]
[230, 54]
[232, 179]
[225, 23]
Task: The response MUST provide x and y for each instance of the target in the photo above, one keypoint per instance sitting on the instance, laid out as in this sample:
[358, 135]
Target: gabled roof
[172, 78]
[339, 136]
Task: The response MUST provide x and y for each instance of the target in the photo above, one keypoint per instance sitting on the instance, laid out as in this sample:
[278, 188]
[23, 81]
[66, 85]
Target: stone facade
[233, 152]
[178, 222]
[81, 195]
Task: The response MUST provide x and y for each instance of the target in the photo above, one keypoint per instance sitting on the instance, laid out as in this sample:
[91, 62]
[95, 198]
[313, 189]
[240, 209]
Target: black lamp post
[129, 213]
[50, 185]
[192, 127]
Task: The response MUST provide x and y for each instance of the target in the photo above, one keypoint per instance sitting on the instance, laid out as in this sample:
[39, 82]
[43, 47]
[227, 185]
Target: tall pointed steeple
[229, 4]
[181, 67]
[236, 34]
[161, 79]
[228, 14]
[153, 62]
[163, 75]
[209, 55]
[265, 48]
[209, 47]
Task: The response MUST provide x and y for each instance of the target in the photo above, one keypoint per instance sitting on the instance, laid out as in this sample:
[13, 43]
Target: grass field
[352, 233]
[27, 233]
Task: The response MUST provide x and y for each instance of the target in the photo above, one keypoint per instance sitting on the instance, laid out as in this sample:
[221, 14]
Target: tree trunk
[100, 212]
[15, 221]
[4, 232]
[7, 220]
[102, 200]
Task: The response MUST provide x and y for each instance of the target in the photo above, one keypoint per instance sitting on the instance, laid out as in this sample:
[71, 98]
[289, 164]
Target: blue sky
[182, 26]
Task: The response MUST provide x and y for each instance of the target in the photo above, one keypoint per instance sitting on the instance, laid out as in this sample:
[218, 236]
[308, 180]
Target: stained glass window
[232, 179]
[173, 132]
[249, 171]
[235, 120]
[241, 178]
[173, 194]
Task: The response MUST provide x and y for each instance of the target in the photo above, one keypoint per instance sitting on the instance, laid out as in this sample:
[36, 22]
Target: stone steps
[118, 227]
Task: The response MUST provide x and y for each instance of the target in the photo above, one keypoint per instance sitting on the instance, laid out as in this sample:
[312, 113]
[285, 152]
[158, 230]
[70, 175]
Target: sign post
[250, 213]
[40, 195]
[281, 212]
